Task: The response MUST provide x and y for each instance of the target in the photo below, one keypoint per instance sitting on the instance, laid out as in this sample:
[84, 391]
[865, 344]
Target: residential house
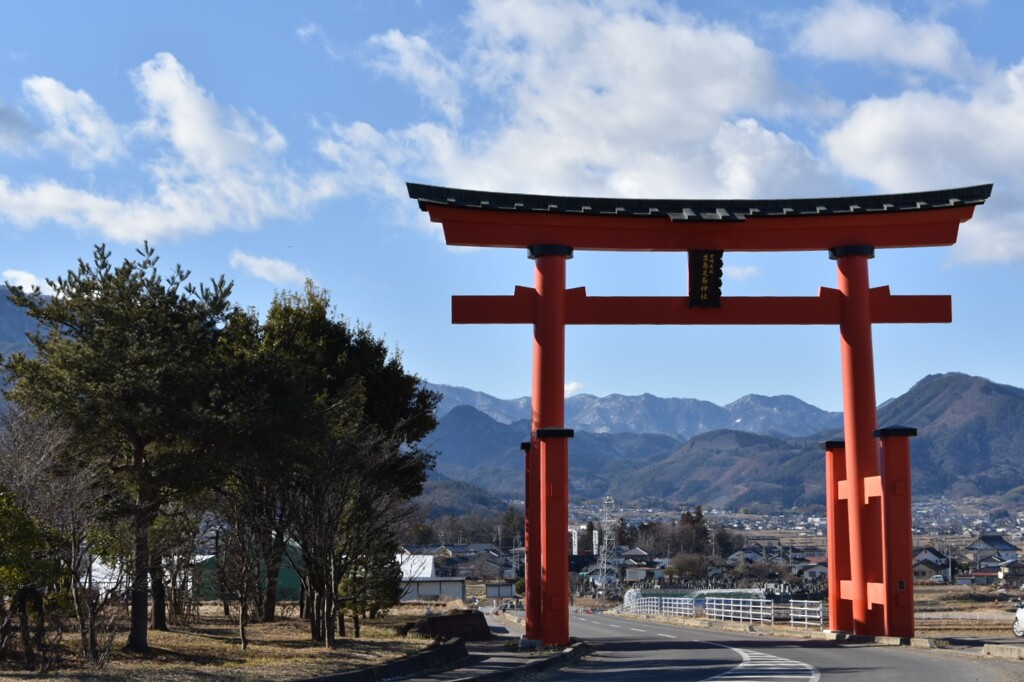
[980, 576]
[416, 565]
[811, 571]
[930, 554]
[433, 589]
[990, 549]
[1011, 572]
[749, 555]
[925, 569]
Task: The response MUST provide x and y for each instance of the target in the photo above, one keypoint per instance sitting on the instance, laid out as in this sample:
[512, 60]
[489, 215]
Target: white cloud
[312, 32]
[853, 30]
[743, 150]
[367, 159]
[273, 270]
[920, 140]
[307, 31]
[207, 138]
[602, 98]
[740, 273]
[572, 388]
[27, 281]
[76, 125]
[412, 60]
[213, 167]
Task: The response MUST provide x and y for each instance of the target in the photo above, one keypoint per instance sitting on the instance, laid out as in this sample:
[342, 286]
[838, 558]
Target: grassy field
[210, 650]
[958, 610]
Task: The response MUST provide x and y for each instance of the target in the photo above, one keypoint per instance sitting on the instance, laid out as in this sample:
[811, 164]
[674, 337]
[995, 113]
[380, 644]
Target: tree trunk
[221, 573]
[23, 626]
[94, 645]
[6, 628]
[138, 638]
[156, 581]
[81, 599]
[355, 624]
[341, 623]
[40, 631]
[316, 617]
[329, 628]
[88, 600]
[273, 564]
[269, 609]
[145, 506]
[243, 619]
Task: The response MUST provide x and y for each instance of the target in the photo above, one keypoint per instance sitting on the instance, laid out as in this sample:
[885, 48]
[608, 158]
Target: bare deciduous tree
[65, 495]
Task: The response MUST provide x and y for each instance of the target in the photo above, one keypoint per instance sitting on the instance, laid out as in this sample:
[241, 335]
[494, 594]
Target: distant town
[959, 542]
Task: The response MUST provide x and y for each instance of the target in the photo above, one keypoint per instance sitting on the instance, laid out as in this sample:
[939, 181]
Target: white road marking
[637, 630]
[662, 634]
[760, 666]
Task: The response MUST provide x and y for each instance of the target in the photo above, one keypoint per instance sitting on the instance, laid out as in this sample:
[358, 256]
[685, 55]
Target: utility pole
[608, 541]
[515, 555]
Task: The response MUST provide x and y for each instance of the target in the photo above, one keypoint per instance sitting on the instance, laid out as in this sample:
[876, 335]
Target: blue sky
[271, 141]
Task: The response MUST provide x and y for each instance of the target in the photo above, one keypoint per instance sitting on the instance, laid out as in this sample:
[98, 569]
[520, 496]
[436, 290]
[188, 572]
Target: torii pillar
[859, 423]
[547, 613]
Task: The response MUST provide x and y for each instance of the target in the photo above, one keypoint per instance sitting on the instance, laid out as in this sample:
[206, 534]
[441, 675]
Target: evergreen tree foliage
[124, 360]
[324, 430]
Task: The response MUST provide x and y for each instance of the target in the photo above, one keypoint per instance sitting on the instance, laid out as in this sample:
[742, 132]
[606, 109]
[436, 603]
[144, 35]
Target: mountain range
[757, 452]
[677, 417]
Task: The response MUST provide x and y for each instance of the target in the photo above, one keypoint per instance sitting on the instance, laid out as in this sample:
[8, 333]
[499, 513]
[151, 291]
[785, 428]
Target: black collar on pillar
[541, 434]
[887, 431]
[538, 250]
[854, 250]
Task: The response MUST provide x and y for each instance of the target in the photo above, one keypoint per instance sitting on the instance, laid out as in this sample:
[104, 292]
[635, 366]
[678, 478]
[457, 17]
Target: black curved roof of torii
[700, 209]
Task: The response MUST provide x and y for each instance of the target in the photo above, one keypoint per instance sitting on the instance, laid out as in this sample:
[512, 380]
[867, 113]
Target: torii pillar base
[890, 611]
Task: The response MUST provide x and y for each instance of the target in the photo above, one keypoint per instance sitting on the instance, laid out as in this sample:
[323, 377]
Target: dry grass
[960, 610]
[210, 650]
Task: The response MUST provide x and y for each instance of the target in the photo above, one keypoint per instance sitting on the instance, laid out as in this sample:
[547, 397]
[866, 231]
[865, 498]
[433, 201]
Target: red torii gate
[868, 489]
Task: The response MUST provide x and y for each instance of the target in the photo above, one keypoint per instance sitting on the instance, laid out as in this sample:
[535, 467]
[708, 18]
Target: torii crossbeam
[868, 493]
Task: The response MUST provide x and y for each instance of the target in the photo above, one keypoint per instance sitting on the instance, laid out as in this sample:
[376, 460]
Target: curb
[570, 654]
[446, 655]
[1007, 651]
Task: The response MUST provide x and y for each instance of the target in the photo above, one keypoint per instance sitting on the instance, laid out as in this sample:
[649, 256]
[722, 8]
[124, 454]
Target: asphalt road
[641, 651]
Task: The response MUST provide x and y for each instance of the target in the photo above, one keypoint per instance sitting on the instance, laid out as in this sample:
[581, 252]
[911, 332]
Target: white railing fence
[648, 605]
[679, 606]
[806, 613]
[746, 610]
[796, 613]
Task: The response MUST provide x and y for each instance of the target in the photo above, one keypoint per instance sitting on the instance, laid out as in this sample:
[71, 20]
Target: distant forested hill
[14, 325]
[970, 434]
[970, 443]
